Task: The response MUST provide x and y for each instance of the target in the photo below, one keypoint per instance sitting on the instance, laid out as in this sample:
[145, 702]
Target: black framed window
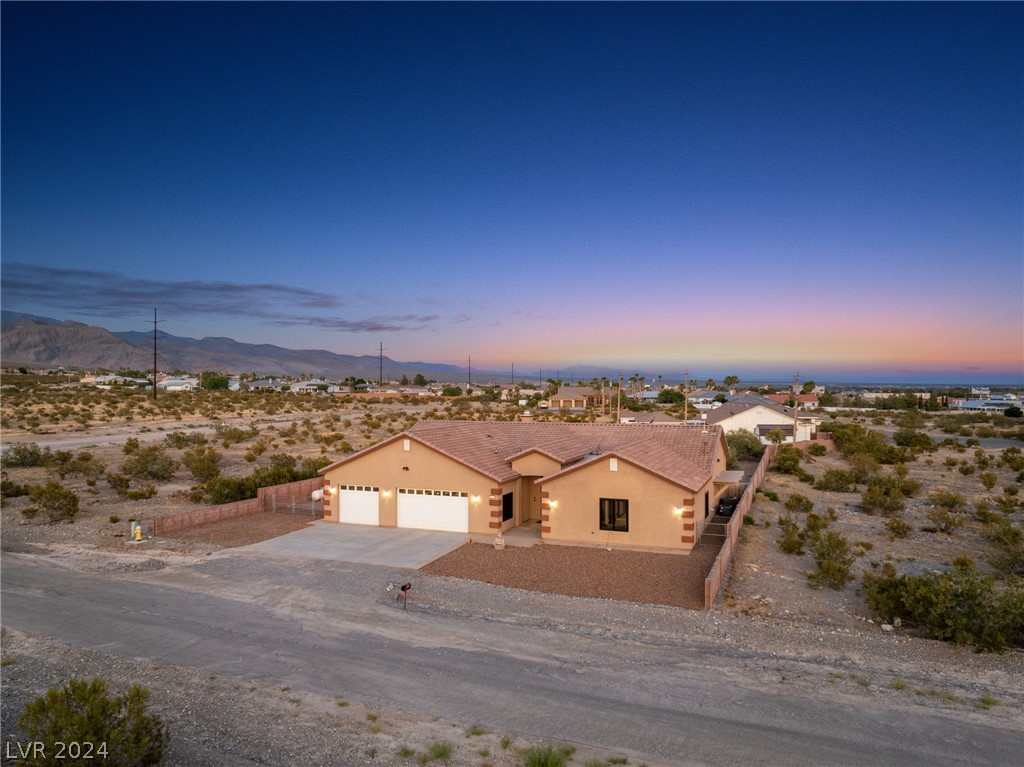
[615, 514]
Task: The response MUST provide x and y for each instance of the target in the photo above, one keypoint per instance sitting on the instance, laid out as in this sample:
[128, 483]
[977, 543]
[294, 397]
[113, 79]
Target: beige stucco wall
[654, 519]
[427, 470]
[535, 465]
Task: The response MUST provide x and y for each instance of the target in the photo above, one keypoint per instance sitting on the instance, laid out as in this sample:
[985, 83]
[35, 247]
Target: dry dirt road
[658, 684]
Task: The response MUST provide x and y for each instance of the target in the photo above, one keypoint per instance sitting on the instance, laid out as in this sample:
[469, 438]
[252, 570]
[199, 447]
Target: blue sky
[730, 188]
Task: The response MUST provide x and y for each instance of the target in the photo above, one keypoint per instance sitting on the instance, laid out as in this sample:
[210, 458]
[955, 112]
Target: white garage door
[433, 510]
[359, 504]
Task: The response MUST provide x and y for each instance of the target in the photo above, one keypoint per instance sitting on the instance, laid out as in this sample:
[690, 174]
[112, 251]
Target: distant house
[609, 484]
[267, 384]
[316, 386]
[761, 419]
[574, 398]
[179, 384]
[804, 401]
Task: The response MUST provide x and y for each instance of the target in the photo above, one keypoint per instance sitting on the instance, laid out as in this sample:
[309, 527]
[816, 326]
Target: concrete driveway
[367, 545]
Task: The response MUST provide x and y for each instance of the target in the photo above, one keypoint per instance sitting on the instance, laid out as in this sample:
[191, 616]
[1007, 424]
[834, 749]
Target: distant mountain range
[35, 341]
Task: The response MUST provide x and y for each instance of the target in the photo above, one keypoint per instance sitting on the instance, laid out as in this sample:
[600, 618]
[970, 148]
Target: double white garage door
[421, 509]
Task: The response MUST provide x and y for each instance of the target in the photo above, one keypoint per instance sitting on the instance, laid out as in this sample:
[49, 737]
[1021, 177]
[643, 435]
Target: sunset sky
[747, 188]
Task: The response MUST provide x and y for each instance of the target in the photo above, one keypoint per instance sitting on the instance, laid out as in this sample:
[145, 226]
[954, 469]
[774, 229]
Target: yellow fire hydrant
[138, 532]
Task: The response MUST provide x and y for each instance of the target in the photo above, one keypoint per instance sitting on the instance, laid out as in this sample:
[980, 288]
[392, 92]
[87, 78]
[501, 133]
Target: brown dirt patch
[631, 576]
[241, 531]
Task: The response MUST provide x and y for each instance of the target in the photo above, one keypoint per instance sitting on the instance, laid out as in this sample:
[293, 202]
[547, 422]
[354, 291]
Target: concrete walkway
[367, 545]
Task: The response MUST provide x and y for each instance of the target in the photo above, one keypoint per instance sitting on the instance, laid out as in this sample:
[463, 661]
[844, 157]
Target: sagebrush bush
[798, 503]
[833, 557]
[791, 541]
[836, 481]
[82, 711]
[25, 455]
[962, 606]
[56, 501]
[150, 462]
[817, 450]
[883, 496]
[898, 527]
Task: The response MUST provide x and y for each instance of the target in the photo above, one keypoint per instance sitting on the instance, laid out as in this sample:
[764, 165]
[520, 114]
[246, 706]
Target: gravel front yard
[241, 531]
[630, 576]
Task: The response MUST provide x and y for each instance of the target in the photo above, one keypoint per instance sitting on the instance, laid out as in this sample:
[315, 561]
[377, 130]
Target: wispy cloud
[111, 294]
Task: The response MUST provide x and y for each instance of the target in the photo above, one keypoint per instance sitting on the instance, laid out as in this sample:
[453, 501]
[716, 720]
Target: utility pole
[469, 371]
[380, 375]
[686, 398]
[154, 353]
[796, 403]
[513, 375]
[618, 403]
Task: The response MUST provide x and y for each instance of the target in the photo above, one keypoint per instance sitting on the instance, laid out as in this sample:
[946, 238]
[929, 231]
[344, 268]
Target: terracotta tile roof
[683, 454]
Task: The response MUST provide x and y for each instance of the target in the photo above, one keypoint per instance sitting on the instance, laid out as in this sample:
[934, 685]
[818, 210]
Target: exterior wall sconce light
[475, 499]
[677, 511]
[387, 493]
[553, 505]
[334, 489]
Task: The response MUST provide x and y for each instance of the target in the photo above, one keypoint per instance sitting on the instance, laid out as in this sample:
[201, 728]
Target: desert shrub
[862, 468]
[202, 462]
[787, 460]
[883, 496]
[817, 450]
[833, 557]
[853, 439]
[231, 435]
[440, 749]
[943, 520]
[9, 489]
[1005, 503]
[1012, 458]
[962, 606]
[543, 756]
[966, 469]
[743, 443]
[55, 500]
[150, 462]
[791, 541]
[913, 439]
[813, 526]
[85, 464]
[771, 495]
[835, 480]
[748, 519]
[947, 499]
[25, 455]
[131, 446]
[798, 503]
[180, 439]
[898, 527]
[141, 494]
[119, 483]
[82, 711]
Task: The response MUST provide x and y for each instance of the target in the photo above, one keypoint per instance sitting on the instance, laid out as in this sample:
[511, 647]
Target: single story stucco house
[634, 485]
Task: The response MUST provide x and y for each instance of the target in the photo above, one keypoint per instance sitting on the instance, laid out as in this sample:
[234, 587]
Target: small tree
[451, 391]
[82, 712]
[743, 443]
[775, 436]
